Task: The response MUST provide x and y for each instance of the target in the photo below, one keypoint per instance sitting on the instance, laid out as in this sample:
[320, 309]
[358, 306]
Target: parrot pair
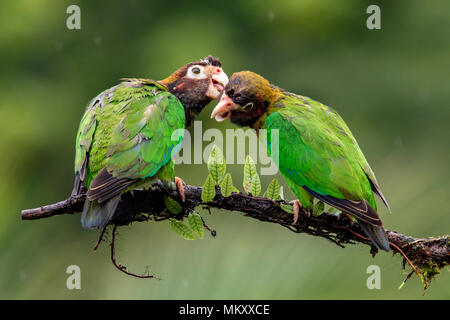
[130, 133]
[318, 155]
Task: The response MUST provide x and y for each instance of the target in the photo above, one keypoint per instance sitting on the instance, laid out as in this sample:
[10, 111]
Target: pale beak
[224, 109]
[219, 80]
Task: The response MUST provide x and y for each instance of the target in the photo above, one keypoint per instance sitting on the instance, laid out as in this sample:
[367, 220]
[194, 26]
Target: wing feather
[318, 152]
[358, 208]
[134, 124]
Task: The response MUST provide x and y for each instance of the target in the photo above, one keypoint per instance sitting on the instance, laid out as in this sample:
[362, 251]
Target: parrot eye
[248, 106]
[230, 92]
[196, 72]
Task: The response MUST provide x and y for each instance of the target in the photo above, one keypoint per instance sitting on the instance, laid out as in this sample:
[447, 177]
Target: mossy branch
[429, 255]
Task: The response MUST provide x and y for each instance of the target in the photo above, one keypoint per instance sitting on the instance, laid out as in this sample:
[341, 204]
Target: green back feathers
[128, 130]
[318, 150]
[318, 153]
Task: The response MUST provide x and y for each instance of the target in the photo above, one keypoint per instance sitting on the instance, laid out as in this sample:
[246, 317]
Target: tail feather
[97, 215]
[376, 234]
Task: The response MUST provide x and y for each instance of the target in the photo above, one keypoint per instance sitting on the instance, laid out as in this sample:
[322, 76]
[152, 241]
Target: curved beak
[224, 109]
[219, 80]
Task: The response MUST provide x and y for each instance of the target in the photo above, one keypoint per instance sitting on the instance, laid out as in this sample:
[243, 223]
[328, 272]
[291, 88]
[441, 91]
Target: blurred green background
[390, 85]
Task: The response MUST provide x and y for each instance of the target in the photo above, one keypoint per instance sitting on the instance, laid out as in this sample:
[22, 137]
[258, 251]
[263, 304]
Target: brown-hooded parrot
[318, 155]
[129, 134]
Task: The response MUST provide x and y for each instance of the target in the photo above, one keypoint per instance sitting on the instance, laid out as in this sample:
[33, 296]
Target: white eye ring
[196, 72]
[248, 106]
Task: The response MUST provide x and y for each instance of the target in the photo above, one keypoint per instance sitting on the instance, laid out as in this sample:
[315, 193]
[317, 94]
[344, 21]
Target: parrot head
[197, 83]
[245, 99]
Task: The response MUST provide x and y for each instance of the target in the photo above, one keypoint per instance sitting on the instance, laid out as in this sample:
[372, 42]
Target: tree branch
[428, 255]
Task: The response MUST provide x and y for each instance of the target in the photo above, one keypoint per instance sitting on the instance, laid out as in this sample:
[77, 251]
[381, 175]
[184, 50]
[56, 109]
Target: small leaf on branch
[182, 229]
[173, 206]
[216, 164]
[273, 190]
[333, 210]
[208, 191]
[255, 186]
[287, 207]
[318, 208]
[196, 223]
[226, 186]
[249, 172]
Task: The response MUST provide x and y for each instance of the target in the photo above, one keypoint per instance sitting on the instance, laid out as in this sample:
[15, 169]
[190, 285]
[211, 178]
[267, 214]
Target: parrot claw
[343, 217]
[297, 208]
[179, 183]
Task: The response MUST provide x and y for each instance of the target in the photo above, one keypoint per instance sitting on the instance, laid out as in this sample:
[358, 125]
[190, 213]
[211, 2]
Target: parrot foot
[297, 207]
[344, 217]
[179, 183]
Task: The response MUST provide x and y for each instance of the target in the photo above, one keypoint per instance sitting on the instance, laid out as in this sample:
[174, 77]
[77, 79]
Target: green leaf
[172, 205]
[236, 190]
[182, 229]
[196, 223]
[216, 164]
[208, 191]
[273, 190]
[333, 210]
[318, 208]
[287, 207]
[249, 172]
[255, 186]
[226, 186]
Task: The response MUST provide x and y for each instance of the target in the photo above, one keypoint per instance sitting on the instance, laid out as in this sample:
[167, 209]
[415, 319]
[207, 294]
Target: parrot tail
[97, 215]
[376, 234]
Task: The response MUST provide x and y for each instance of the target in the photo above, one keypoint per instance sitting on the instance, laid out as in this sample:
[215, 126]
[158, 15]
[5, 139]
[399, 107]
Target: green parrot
[129, 134]
[318, 155]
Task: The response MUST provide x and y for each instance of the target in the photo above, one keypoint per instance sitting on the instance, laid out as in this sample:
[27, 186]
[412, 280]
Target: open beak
[219, 80]
[224, 109]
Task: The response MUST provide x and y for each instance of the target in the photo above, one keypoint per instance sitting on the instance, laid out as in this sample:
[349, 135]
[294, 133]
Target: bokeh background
[390, 85]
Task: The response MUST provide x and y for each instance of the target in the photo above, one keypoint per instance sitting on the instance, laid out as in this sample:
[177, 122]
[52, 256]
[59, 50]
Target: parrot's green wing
[127, 134]
[82, 147]
[318, 152]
